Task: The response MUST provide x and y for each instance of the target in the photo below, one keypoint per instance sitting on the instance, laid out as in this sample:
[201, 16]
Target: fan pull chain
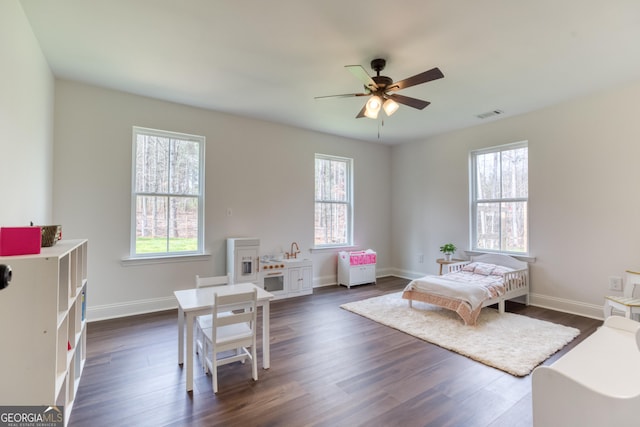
[380, 123]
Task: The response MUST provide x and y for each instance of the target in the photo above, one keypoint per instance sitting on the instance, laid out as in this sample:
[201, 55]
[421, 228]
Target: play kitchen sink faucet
[292, 254]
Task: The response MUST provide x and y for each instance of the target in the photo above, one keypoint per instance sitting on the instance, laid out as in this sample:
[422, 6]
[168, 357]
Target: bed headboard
[499, 259]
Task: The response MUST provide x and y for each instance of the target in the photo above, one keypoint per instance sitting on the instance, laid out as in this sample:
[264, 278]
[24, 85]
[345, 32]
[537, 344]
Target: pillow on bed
[484, 268]
[470, 267]
[501, 270]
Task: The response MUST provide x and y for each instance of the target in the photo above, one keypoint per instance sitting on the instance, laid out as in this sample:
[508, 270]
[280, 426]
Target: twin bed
[470, 285]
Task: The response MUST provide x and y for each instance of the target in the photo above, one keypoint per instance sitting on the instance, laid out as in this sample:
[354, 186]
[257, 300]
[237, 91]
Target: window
[168, 193]
[499, 199]
[334, 201]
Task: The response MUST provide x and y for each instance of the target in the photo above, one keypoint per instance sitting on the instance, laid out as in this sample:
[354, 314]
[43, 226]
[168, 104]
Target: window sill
[131, 261]
[321, 249]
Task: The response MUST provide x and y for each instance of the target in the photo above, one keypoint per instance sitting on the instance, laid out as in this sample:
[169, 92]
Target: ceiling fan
[380, 89]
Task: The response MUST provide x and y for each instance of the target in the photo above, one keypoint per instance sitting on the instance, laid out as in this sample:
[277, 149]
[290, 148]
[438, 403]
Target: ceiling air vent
[490, 114]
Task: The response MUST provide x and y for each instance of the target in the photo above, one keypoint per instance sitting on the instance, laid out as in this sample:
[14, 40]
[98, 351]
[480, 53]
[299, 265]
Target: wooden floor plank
[329, 367]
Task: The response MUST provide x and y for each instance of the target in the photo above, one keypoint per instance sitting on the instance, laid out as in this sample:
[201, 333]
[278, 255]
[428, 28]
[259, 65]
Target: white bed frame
[516, 282]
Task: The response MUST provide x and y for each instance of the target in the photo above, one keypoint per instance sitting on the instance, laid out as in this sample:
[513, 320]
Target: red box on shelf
[20, 240]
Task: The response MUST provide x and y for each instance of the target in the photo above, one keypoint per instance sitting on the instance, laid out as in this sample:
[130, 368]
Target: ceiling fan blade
[361, 113]
[345, 95]
[411, 102]
[427, 76]
[362, 75]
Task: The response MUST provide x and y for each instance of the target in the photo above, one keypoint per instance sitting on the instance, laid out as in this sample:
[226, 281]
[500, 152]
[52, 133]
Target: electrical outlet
[420, 258]
[615, 283]
[229, 212]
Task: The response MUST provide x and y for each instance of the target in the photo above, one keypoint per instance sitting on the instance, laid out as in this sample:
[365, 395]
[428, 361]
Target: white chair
[203, 322]
[232, 332]
[628, 303]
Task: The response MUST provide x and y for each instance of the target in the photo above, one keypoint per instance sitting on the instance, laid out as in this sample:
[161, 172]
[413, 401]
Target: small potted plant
[448, 249]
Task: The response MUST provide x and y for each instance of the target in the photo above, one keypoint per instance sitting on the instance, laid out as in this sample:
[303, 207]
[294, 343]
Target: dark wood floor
[329, 367]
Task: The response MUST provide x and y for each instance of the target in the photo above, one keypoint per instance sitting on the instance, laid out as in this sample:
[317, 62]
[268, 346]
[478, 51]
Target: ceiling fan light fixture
[372, 114]
[377, 88]
[373, 107]
[390, 106]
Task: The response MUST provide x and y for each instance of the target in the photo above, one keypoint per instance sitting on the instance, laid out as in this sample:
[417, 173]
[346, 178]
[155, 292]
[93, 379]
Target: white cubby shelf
[43, 325]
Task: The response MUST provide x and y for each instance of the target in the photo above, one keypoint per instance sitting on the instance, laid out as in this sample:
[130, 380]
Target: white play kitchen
[284, 275]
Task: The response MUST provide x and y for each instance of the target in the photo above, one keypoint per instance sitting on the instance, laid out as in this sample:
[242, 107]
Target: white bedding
[465, 286]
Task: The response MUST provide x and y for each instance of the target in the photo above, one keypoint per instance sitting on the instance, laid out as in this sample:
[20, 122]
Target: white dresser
[356, 268]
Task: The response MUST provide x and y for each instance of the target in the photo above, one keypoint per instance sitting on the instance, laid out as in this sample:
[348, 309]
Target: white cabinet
[43, 326]
[299, 279]
[359, 274]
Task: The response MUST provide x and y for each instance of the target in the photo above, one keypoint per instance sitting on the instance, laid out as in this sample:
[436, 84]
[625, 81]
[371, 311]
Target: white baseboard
[567, 306]
[406, 274]
[130, 308]
[384, 272]
[319, 282]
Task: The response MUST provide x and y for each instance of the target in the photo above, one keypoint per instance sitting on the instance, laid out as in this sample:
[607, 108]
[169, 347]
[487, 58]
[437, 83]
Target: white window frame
[474, 201]
[348, 203]
[200, 140]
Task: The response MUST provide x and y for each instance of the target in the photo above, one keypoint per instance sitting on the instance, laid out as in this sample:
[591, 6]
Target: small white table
[199, 301]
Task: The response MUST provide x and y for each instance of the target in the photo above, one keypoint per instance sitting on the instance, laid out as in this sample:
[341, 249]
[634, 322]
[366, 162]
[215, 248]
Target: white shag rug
[510, 342]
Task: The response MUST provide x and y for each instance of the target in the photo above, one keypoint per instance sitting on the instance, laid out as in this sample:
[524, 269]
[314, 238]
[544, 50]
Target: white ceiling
[269, 59]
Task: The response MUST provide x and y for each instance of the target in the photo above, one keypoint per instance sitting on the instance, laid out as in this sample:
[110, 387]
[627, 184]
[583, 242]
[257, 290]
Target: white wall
[410, 199]
[584, 180]
[26, 122]
[264, 172]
